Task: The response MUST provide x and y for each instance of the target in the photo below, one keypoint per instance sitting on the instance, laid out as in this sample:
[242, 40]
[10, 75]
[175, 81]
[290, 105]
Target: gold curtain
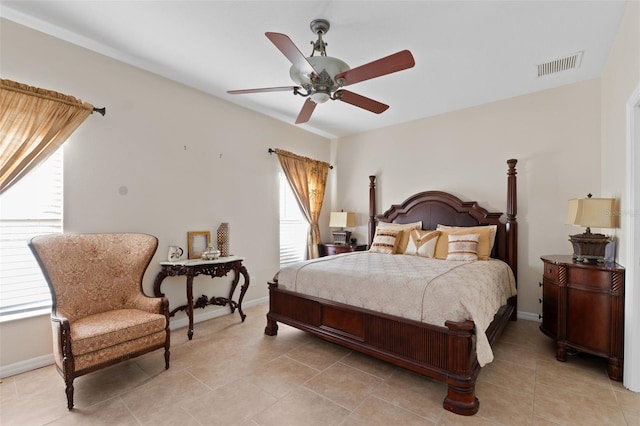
[308, 179]
[34, 123]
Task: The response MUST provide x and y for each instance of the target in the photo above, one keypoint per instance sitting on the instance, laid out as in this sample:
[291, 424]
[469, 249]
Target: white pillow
[385, 241]
[463, 247]
[422, 243]
[403, 238]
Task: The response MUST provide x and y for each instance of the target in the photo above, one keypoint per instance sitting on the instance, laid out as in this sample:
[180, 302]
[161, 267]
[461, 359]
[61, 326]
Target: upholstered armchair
[100, 315]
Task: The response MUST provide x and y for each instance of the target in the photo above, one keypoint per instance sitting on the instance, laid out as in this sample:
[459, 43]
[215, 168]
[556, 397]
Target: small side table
[213, 268]
[331, 249]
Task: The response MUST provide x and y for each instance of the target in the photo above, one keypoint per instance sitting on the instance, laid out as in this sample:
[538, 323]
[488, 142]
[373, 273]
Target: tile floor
[231, 373]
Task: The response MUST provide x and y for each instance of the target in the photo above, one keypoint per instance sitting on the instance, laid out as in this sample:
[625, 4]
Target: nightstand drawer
[595, 279]
[551, 271]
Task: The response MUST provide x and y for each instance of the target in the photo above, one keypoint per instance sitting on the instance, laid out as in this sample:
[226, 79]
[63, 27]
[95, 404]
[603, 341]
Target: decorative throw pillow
[422, 243]
[463, 247]
[485, 244]
[385, 241]
[403, 238]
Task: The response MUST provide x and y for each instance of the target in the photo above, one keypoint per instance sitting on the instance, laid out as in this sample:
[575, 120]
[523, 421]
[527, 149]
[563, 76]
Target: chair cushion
[118, 352]
[99, 331]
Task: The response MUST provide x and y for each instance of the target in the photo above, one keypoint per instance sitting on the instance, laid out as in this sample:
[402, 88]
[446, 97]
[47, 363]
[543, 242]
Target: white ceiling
[467, 52]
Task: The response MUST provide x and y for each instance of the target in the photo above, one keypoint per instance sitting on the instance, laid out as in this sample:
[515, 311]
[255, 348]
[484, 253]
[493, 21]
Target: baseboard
[27, 365]
[528, 316]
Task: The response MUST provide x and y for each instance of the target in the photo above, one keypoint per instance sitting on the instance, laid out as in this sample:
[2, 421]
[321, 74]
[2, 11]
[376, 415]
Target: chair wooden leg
[69, 392]
[166, 358]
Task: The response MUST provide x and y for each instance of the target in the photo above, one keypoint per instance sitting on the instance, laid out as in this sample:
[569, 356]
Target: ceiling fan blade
[263, 90]
[306, 111]
[361, 101]
[389, 64]
[293, 54]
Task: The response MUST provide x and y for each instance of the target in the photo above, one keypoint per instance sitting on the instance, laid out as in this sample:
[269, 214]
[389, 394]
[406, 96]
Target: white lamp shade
[591, 212]
[342, 219]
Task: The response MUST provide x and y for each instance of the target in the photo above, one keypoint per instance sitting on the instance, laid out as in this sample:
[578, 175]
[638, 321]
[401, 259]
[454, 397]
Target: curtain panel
[34, 123]
[308, 179]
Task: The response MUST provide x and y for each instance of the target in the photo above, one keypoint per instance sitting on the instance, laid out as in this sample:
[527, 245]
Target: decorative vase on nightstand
[223, 239]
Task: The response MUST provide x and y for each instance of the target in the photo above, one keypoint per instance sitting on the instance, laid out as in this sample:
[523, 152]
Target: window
[293, 226]
[31, 207]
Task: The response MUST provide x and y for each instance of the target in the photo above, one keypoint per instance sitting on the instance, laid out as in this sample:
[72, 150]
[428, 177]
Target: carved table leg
[156, 284]
[243, 290]
[190, 305]
[234, 284]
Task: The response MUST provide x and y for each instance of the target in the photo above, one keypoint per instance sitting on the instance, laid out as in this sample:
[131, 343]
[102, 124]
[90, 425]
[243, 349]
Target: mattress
[413, 287]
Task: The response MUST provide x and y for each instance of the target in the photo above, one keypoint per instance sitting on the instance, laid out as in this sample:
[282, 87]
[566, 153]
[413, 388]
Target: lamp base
[588, 247]
[341, 237]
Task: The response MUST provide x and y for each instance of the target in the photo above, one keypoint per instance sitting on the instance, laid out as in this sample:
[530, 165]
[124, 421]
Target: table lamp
[341, 220]
[590, 212]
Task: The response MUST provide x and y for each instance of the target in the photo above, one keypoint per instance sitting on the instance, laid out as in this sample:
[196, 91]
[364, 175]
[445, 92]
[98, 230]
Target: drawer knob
[539, 284]
[539, 300]
[539, 316]
[550, 270]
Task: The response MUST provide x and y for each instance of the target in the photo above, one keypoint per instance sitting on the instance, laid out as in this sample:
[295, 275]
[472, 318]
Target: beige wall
[620, 78]
[619, 81]
[188, 160]
[555, 135]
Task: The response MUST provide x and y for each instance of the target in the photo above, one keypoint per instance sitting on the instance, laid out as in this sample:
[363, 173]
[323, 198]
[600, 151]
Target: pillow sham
[485, 243]
[422, 243]
[406, 228]
[385, 241]
[463, 247]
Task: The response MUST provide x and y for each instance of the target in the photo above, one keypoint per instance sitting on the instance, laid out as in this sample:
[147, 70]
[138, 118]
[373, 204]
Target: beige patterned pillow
[422, 243]
[463, 247]
[403, 238]
[485, 244]
[385, 241]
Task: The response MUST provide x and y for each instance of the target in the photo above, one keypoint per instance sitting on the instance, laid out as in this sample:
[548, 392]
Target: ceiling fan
[322, 78]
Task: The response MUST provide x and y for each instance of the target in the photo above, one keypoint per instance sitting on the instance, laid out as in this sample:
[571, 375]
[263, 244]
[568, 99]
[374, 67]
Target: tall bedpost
[372, 208]
[512, 224]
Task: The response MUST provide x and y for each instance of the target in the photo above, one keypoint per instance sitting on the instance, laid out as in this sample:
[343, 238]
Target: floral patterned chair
[100, 315]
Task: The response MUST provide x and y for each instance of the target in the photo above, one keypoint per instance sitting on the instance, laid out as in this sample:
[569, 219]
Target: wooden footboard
[446, 353]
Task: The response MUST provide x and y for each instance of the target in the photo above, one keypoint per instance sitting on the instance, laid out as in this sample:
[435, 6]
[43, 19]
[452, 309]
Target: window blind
[293, 226]
[33, 206]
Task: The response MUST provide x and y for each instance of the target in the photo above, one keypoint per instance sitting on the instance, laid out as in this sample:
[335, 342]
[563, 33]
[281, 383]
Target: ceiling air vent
[562, 64]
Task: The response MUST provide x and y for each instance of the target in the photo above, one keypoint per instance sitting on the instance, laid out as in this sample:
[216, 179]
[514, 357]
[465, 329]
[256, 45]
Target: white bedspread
[413, 287]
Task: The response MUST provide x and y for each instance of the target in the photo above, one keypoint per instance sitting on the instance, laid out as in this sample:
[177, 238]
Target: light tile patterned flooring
[231, 373]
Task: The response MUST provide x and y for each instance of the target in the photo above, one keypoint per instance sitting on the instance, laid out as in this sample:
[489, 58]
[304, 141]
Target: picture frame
[197, 243]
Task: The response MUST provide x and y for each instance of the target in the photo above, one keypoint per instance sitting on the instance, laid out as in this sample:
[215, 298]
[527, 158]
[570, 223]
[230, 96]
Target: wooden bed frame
[444, 353]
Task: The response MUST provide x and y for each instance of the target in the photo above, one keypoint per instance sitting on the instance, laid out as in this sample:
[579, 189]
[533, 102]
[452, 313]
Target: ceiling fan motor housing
[328, 68]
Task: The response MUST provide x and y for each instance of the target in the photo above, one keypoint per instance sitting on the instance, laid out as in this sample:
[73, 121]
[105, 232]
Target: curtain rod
[272, 151]
[102, 111]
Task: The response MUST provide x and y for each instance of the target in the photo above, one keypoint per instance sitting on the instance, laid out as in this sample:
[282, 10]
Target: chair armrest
[156, 305]
[61, 337]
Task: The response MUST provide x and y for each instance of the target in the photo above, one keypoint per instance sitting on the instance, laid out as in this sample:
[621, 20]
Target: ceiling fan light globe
[320, 97]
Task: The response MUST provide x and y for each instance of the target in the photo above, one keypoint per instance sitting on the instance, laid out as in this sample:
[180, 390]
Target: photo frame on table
[197, 243]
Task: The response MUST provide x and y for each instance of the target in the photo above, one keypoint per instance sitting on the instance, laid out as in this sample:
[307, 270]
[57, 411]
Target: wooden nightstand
[331, 249]
[583, 309]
